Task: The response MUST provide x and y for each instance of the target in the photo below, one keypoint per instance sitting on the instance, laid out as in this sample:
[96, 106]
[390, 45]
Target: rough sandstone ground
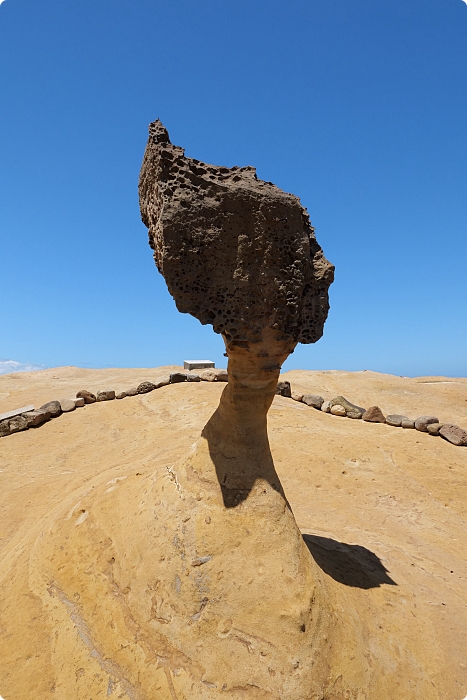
[383, 511]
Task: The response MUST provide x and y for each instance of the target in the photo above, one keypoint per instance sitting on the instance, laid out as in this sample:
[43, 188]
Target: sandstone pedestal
[197, 584]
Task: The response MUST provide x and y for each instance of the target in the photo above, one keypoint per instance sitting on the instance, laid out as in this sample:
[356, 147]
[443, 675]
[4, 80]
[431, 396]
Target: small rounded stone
[338, 410]
[351, 409]
[423, 422]
[105, 395]
[408, 424]
[396, 420]
[163, 381]
[86, 395]
[145, 387]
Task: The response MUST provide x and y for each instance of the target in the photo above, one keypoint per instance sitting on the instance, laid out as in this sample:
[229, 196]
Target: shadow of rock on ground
[349, 564]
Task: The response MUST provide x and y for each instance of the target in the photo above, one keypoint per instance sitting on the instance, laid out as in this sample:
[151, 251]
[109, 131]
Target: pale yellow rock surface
[105, 547]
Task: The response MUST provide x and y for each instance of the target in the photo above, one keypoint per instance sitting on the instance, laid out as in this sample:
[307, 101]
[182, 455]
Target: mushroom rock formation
[241, 254]
[193, 582]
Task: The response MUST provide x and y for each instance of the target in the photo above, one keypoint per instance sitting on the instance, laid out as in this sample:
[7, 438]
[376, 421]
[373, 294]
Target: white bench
[13, 414]
[198, 364]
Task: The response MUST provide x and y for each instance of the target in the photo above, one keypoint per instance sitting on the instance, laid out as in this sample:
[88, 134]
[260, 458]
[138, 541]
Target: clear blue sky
[359, 108]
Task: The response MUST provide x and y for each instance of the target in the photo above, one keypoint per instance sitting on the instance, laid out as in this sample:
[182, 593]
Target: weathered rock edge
[235, 251]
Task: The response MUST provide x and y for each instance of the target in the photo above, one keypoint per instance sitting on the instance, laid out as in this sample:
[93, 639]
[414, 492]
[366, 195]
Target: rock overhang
[236, 252]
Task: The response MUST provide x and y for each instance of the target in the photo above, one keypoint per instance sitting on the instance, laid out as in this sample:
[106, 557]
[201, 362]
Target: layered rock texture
[95, 532]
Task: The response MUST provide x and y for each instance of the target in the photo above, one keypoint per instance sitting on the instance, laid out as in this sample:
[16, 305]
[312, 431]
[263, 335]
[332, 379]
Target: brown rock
[134, 391]
[236, 252]
[18, 423]
[36, 418]
[396, 420]
[296, 395]
[434, 428]
[145, 387]
[177, 377]
[163, 381]
[79, 402]
[52, 407]
[313, 400]
[283, 389]
[408, 424]
[105, 395]
[193, 377]
[214, 375]
[86, 395]
[326, 407]
[122, 395]
[351, 410]
[374, 415]
[4, 428]
[354, 414]
[454, 434]
[208, 376]
[423, 422]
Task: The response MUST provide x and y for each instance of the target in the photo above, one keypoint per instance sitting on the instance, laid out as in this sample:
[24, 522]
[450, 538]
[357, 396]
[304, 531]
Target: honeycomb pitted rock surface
[235, 251]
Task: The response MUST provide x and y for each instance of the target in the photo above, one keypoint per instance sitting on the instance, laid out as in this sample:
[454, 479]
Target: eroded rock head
[235, 251]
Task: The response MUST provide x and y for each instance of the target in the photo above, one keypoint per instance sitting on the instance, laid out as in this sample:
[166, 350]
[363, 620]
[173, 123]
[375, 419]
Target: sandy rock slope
[383, 511]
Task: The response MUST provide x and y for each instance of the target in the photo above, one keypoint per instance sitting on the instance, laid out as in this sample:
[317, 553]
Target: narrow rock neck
[237, 432]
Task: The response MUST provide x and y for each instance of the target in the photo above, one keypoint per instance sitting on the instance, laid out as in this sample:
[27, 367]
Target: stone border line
[340, 406]
[27, 417]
